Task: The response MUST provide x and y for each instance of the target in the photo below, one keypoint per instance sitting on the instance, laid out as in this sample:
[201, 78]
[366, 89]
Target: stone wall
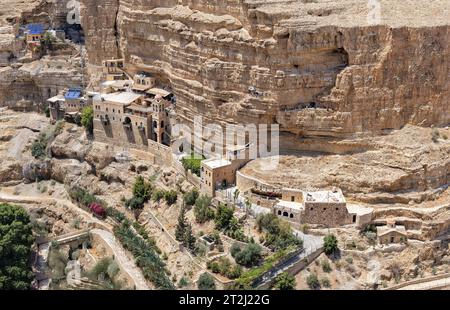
[328, 214]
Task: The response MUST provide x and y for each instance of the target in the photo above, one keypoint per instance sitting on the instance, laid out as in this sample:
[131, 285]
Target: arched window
[291, 216]
[285, 214]
[279, 212]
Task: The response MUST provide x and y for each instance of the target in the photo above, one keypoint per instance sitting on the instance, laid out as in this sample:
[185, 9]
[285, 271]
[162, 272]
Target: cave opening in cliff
[344, 57]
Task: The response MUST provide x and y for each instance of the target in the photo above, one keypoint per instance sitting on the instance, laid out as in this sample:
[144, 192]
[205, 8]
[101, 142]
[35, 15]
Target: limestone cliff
[316, 67]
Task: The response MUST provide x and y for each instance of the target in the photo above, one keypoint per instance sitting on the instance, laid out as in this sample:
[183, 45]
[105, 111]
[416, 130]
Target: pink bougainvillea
[97, 209]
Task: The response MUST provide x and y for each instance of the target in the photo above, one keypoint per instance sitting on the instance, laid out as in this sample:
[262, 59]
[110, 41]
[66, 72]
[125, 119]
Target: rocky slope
[317, 67]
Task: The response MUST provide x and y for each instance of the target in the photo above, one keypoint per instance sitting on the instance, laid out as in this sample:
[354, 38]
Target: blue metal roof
[35, 28]
[73, 93]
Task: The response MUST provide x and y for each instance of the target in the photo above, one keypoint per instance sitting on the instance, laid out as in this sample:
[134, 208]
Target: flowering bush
[97, 209]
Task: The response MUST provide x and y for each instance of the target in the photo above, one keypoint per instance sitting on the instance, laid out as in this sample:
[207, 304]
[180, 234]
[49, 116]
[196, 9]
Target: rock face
[24, 83]
[315, 67]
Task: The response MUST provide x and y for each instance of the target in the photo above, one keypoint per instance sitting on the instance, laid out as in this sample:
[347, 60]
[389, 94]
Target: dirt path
[122, 259]
[6, 197]
[428, 285]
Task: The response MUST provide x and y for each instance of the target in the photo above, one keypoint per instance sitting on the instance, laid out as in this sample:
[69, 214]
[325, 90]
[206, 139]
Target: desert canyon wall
[315, 67]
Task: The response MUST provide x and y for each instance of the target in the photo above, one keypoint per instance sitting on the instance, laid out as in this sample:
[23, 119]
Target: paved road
[310, 242]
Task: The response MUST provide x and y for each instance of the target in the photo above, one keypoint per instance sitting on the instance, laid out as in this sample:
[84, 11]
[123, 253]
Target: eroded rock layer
[318, 68]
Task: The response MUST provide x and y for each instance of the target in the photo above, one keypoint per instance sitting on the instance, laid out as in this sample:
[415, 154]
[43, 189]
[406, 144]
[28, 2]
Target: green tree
[181, 226]
[202, 209]
[278, 233]
[189, 238]
[135, 203]
[170, 197]
[248, 256]
[16, 239]
[206, 282]
[87, 119]
[142, 189]
[223, 217]
[313, 281]
[285, 281]
[190, 197]
[330, 244]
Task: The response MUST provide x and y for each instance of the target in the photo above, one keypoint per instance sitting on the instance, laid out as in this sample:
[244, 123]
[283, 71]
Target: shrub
[142, 189]
[183, 282]
[249, 256]
[325, 282]
[193, 163]
[225, 268]
[87, 119]
[326, 267]
[278, 233]
[39, 147]
[285, 281]
[223, 217]
[435, 135]
[115, 214]
[202, 209]
[235, 249]
[313, 281]
[330, 244]
[134, 203]
[157, 195]
[206, 282]
[170, 197]
[97, 209]
[190, 197]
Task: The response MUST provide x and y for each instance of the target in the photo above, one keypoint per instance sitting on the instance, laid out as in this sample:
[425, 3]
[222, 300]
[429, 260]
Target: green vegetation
[330, 244]
[224, 267]
[170, 197]
[142, 189]
[87, 119]
[183, 282]
[134, 203]
[39, 148]
[48, 42]
[146, 255]
[278, 233]
[190, 197]
[206, 282]
[157, 195]
[313, 281]
[325, 282]
[105, 272]
[57, 262]
[223, 217]
[285, 281]
[249, 256]
[83, 197]
[202, 209]
[326, 267]
[16, 239]
[193, 163]
[226, 221]
[246, 280]
[181, 226]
